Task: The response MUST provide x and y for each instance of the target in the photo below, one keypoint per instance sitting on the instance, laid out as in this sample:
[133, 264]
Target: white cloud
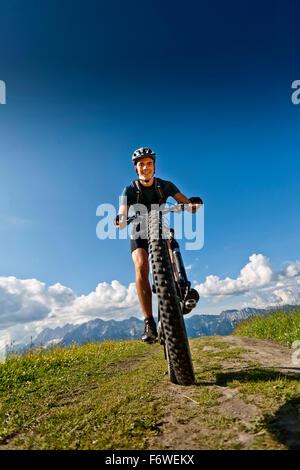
[61, 295]
[287, 296]
[258, 272]
[292, 270]
[108, 301]
[21, 301]
[259, 282]
[28, 306]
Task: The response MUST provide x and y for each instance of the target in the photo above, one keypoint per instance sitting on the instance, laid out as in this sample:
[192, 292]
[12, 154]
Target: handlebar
[176, 208]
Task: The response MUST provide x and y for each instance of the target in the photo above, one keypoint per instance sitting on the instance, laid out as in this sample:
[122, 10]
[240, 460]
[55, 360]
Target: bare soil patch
[216, 413]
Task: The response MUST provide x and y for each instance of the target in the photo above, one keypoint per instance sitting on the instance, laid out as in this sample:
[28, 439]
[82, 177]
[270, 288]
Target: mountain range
[98, 330]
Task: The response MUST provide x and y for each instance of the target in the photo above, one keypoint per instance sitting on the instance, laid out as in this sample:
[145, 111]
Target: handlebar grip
[195, 200]
[118, 217]
[127, 219]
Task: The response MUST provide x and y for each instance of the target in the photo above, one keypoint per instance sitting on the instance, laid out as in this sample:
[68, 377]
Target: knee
[141, 267]
[141, 270]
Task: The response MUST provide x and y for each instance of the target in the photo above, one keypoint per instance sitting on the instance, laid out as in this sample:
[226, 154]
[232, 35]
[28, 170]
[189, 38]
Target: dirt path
[246, 396]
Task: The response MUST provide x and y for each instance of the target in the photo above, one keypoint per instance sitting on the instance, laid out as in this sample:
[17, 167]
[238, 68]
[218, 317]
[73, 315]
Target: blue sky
[207, 85]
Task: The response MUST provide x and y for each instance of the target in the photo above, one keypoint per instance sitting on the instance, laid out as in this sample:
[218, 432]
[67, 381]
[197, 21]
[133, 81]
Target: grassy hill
[279, 326]
[116, 395]
[91, 396]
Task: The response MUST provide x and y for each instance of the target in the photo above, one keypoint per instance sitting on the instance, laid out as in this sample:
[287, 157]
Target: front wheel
[171, 371]
[176, 342]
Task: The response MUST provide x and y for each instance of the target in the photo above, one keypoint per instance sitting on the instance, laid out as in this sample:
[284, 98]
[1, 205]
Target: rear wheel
[175, 338]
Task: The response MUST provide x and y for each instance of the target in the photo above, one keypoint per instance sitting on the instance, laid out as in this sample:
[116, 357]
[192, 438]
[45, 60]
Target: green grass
[37, 365]
[275, 394]
[96, 396]
[278, 326]
[117, 396]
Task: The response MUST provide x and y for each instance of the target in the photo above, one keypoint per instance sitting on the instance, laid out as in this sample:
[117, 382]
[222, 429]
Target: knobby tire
[177, 348]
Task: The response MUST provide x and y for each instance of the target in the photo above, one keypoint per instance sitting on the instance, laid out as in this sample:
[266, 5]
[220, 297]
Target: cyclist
[146, 190]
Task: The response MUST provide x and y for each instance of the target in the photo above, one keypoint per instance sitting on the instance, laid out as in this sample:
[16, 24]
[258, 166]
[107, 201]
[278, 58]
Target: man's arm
[120, 220]
[179, 197]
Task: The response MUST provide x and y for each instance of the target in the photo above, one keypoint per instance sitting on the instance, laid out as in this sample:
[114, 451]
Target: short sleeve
[127, 197]
[171, 189]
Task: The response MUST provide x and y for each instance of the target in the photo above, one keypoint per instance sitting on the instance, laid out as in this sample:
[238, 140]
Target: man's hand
[120, 221]
[194, 204]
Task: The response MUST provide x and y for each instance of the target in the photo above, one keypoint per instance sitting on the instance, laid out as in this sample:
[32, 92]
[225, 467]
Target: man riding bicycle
[146, 190]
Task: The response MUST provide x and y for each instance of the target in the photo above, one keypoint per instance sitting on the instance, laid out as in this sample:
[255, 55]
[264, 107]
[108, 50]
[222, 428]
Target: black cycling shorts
[139, 243]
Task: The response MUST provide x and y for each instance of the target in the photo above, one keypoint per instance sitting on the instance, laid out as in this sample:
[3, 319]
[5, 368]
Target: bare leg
[141, 263]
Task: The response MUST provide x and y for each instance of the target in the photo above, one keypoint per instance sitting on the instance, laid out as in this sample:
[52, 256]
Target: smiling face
[145, 168]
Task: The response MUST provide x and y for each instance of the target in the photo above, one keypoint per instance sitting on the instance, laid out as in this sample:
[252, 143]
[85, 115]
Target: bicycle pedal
[190, 302]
